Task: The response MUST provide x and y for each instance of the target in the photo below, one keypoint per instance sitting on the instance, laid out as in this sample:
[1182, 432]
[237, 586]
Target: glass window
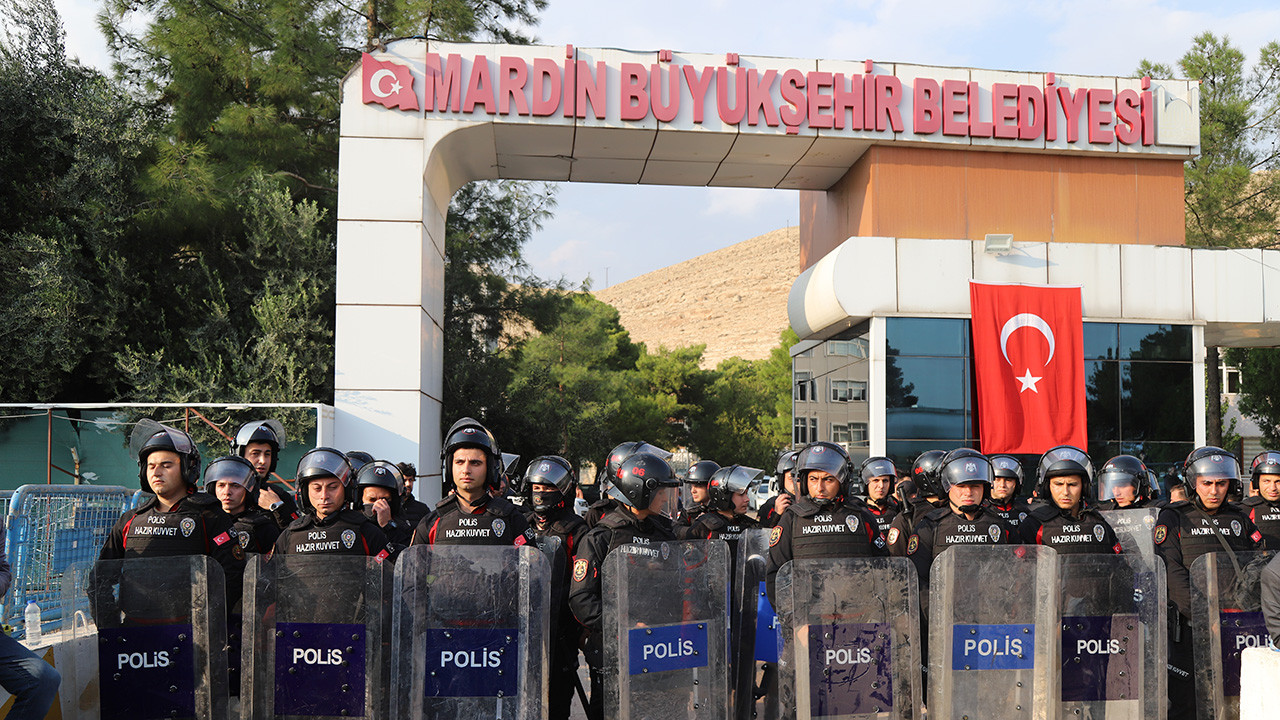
[946, 337]
[1155, 402]
[1102, 400]
[840, 432]
[805, 387]
[848, 391]
[1155, 342]
[1100, 341]
[849, 433]
[856, 347]
[1231, 380]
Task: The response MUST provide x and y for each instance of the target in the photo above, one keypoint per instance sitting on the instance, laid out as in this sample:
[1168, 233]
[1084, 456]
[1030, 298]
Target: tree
[746, 416]
[1232, 188]
[71, 146]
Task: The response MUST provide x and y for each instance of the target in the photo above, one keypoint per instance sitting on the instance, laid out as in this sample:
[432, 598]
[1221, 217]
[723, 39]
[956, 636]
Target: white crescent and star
[1027, 320]
[375, 83]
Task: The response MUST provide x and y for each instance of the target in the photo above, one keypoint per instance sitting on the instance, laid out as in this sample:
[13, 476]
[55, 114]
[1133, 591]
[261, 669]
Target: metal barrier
[48, 528]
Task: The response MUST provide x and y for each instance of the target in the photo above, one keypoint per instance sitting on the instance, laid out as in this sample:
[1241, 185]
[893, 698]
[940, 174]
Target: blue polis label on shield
[766, 628]
[1101, 658]
[147, 672]
[472, 662]
[320, 669]
[993, 647]
[850, 669]
[668, 647]
[1240, 630]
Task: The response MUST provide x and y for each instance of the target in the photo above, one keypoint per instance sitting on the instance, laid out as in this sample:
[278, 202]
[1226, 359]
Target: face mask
[546, 501]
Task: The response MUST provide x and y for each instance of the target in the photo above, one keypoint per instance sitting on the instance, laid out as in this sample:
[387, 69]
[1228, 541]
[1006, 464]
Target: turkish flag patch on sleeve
[222, 539]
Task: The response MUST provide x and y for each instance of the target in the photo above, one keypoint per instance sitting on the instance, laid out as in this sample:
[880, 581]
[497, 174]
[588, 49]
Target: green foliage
[1232, 195]
[746, 416]
[1260, 385]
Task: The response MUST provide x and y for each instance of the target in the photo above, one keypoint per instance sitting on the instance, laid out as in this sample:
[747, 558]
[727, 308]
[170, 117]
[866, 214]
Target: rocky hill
[733, 299]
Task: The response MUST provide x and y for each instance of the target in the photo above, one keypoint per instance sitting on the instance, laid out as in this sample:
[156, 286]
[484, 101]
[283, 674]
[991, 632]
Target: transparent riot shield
[748, 585]
[665, 631]
[470, 633]
[1226, 618]
[1114, 658]
[993, 642]
[150, 637]
[1135, 529]
[852, 638]
[316, 637]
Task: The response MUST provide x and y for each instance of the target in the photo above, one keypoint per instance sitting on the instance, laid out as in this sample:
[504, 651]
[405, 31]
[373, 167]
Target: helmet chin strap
[966, 509]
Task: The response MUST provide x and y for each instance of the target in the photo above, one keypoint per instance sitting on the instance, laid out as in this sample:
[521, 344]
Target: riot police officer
[924, 475]
[1264, 508]
[174, 520]
[1006, 487]
[471, 515]
[378, 486]
[609, 471]
[644, 490]
[878, 475]
[329, 524]
[550, 483]
[964, 477]
[784, 476]
[820, 524]
[1065, 523]
[1185, 530]
[695, 486]
[234, 481]
[1124, 484]
[259, 442]
[727, 504]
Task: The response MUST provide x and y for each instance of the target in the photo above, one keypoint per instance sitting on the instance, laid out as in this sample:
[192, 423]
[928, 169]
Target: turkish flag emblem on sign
[1028, 358]
[388, 84]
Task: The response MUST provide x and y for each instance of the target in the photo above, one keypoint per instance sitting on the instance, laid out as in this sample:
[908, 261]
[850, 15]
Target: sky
[610, 233]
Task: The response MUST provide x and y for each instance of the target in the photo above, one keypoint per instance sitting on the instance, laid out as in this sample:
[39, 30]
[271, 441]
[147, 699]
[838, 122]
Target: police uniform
[809, 531]
[495, 522]
[616, 528]
[1184, 532]
[714, 525]
[1266, 516]
[1058, 529]
[413, 510]
[195, 525]
[346, 532]
[768, 514]
[884, 515]
[1013, 512]
[1137, 504]
[904, 523]
[942, 528]
[255, 530]
[685, 519]
[287, 511]
[566, 631]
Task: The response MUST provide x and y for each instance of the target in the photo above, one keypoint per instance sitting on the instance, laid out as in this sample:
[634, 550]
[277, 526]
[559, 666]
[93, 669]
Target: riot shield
[151, 638]
[470, 633]
[665, 630]
[748, 584]
[1114, 658]
[993, 645]
[316, 636]
[1135, 529]
[852, 638]
[1226, 618]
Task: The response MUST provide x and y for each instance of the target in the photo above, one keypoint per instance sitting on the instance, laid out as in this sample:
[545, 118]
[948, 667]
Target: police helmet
[1119, 471]
[924, 471]
[1063, 460]
[1210, 462]
[827, 457]
[548, 470]
[640, 480]
[358, 459]
[700, 472]
[1152, 488]
[270, 432]
[786, 464]
[964, 466]
[1007, 466]
[871, 468]
[622, 451]
[1266, 462]
[232, 468]
[906, 492]
[323, 462]
[729, 481]
[383, 474]
[469, 433]
[149, 436]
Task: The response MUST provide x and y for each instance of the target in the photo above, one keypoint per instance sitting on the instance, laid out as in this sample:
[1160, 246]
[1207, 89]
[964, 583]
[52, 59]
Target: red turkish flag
[1028, 358]
[388, 84]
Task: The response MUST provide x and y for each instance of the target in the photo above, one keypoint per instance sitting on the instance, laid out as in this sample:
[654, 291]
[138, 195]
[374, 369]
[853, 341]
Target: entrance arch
[418, 122]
